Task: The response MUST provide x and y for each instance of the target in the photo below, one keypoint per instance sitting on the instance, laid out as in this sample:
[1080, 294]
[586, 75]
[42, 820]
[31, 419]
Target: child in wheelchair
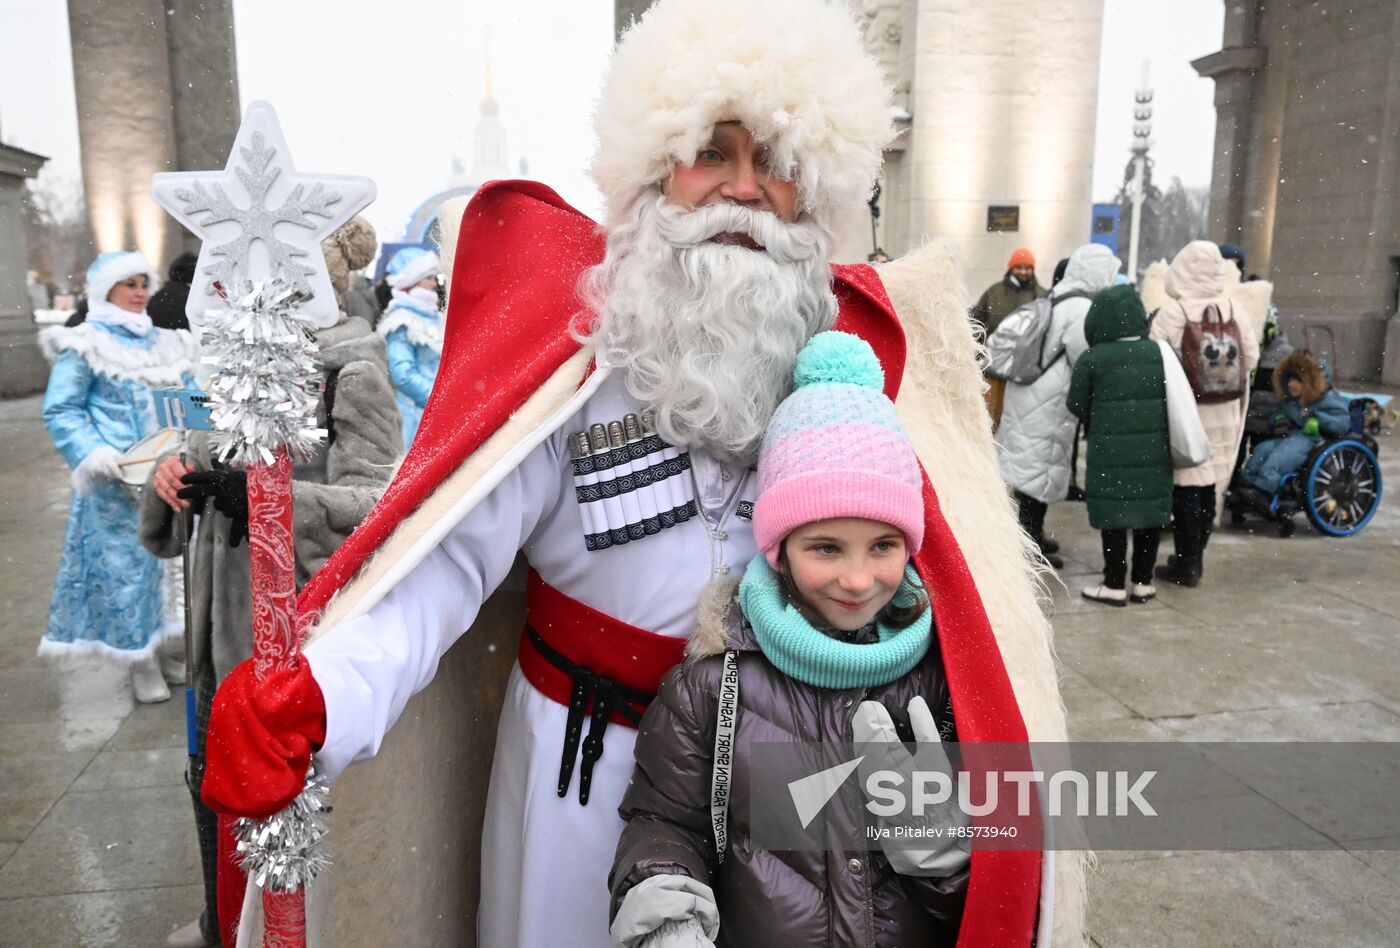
[1310, 411]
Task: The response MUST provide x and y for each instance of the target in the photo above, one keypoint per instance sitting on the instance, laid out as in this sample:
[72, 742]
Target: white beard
[708, 333]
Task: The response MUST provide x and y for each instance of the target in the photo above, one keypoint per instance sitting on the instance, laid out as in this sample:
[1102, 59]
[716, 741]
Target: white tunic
[545, 859]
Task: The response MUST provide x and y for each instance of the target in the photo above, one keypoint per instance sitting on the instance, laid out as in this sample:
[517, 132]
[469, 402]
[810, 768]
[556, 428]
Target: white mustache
[784, 242]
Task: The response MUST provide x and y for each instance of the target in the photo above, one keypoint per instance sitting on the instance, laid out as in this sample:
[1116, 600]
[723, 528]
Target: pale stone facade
[1000, 115]
[1307, 167]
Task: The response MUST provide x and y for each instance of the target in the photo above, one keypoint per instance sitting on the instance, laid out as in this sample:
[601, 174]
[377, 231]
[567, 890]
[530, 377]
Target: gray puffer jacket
[770, 898]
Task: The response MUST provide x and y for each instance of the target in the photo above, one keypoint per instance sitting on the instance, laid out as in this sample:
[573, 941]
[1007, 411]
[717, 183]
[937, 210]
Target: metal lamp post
[1142, 132]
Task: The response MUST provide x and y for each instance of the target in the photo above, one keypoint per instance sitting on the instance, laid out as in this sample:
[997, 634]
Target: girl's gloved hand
[1312, 428]
[667, 911]
[948, 852]
[261, 736]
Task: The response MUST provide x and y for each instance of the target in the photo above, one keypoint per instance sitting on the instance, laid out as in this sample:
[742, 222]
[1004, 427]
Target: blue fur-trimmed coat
[107, 595]
[1286, 452]
[413, 333]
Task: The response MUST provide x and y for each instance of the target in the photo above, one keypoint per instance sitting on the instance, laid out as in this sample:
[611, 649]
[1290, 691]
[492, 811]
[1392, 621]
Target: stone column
[204, 84]
[121, 76]
[1001, 119]
[22, 368]
[1234, 70]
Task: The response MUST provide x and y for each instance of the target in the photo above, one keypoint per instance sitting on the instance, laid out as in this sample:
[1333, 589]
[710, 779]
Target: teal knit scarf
[811, 656]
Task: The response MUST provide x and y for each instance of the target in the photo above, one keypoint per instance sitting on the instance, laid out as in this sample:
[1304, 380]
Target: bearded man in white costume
[613, 451]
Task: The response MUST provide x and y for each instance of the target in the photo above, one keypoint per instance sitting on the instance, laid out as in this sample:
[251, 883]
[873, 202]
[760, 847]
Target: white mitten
[947, 853]
[667, 911]
[99, 465]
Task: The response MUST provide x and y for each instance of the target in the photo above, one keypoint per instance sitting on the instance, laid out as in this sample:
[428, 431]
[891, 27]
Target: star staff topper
[260, 219]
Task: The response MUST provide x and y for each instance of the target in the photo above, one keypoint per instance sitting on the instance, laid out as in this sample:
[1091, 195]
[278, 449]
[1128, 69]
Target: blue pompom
[838, 357]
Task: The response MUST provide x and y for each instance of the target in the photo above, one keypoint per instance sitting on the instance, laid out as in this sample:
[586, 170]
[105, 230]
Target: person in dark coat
[829, 613]
[1119, 391]
[1017, 287]
[167, 307]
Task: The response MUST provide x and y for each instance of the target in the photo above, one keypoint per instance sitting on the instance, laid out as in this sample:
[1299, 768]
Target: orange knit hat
[1021, 257]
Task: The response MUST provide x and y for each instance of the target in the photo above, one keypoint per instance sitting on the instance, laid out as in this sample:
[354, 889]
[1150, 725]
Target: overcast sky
[407, 80]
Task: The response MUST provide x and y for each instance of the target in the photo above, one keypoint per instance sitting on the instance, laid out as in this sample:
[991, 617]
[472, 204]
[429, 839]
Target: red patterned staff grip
[276, 640]
[284, 919]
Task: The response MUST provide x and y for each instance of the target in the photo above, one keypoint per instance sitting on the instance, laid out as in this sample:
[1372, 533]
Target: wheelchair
[1338, 487]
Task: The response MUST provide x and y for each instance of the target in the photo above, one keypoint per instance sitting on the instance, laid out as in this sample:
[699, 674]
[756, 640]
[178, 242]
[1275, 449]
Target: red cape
[520, 252]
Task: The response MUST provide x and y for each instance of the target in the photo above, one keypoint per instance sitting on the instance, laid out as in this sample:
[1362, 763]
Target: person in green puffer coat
[1119, 391]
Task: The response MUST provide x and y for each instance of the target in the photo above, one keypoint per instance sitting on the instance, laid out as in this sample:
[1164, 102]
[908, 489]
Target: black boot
[1178, 571]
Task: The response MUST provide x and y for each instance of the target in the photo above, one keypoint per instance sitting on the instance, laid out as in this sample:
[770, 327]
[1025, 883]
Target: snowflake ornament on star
[260, 220]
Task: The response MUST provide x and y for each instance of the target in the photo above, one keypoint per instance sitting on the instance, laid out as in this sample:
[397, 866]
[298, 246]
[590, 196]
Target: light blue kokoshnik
[800, 651]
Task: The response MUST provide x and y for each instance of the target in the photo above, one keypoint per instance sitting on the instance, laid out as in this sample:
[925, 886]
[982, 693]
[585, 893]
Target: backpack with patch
[1016, 349]
[1213, 357]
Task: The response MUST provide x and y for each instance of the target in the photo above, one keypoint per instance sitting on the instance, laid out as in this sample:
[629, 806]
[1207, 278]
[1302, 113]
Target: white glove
[99, 465]
[667, 911]
[947, 853]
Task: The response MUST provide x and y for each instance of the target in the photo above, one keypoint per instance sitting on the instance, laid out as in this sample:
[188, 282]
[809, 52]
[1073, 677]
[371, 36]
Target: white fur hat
[794, 72]
[113, 267]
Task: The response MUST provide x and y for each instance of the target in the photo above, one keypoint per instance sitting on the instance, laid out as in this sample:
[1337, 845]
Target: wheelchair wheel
[1342, 487]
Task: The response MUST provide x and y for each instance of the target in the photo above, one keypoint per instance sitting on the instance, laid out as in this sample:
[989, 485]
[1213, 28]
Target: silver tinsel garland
[283, 853]
[265, 393]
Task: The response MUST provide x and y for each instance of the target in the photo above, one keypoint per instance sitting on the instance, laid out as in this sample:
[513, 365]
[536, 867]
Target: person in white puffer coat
[1036, 436]
[1195, 281]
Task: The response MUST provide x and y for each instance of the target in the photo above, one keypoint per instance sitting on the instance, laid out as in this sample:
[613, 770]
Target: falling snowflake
[257, 221]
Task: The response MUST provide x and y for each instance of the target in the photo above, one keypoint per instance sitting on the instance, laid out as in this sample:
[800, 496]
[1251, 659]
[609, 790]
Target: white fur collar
[101, 311]
[163, 358]
[422, 330]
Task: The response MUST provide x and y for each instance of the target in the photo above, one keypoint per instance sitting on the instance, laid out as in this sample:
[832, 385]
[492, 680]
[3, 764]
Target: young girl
[107, 594]
[832, 631]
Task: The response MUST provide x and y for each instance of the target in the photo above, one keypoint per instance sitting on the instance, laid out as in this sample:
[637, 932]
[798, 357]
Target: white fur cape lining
[165, 362]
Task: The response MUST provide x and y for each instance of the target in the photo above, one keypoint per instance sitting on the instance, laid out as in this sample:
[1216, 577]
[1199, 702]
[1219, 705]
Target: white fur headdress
[113, 267]
[794, 72]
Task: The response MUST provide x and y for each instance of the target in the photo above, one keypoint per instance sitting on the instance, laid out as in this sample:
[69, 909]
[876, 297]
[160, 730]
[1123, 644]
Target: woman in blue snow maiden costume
[107, 595]
[412, 329]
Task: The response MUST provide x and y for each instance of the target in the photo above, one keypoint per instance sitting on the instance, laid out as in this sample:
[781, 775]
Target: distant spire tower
[489, 138]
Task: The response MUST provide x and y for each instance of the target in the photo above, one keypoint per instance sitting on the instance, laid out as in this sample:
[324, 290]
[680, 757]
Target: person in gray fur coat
[331, 494]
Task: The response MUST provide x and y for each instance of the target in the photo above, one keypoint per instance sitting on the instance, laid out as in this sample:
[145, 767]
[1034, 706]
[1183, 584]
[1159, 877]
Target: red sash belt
[593, 664]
